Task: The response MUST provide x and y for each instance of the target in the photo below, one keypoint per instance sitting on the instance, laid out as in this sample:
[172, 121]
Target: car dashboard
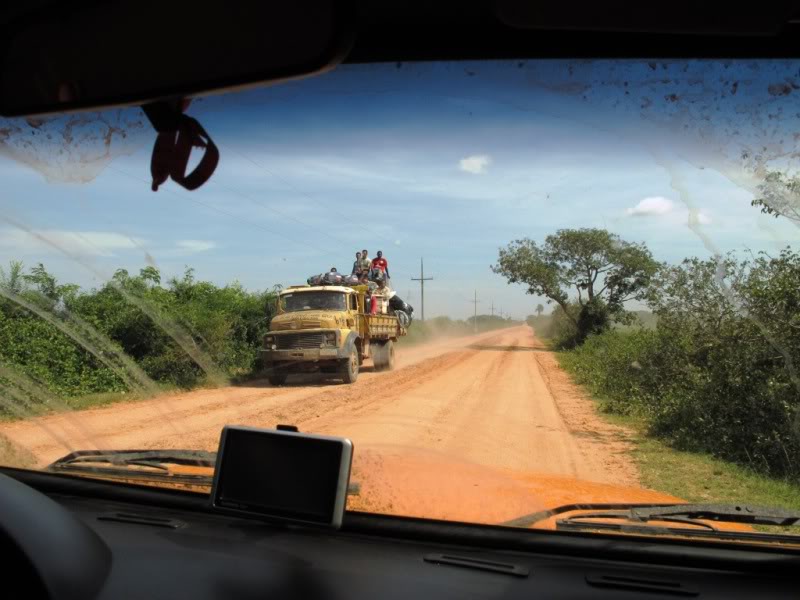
[167, 544]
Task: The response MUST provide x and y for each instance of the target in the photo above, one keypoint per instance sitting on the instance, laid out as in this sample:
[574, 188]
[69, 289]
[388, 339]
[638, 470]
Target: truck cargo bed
[382, 326]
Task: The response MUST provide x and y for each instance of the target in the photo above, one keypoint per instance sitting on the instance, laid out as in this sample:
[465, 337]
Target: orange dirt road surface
[459, 425]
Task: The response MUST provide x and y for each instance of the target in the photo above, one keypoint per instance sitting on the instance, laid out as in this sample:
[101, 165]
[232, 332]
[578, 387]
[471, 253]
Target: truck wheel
[388, 350]
[348, 368]
[383, 356]
[387, 358]
[277, 375]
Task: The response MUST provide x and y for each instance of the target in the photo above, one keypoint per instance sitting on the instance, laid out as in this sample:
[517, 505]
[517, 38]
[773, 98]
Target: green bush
[135, 315]
[719, 373]
[47, 355]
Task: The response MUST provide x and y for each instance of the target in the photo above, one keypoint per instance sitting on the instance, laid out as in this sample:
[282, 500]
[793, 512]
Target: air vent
[142, 520]
[477, 563]
[640, 584]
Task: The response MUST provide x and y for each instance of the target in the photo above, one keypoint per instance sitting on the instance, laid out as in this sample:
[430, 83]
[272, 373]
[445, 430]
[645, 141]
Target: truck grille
[291, 341]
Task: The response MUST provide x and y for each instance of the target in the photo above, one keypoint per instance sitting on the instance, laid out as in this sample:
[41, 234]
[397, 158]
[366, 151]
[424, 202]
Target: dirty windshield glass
[313, 301]
[581, 286]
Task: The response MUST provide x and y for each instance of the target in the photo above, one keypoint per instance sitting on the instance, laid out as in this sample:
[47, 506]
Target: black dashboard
[164, 544]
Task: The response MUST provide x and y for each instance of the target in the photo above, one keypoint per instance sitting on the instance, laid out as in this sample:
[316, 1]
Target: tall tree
[589, 273]
[539, 310]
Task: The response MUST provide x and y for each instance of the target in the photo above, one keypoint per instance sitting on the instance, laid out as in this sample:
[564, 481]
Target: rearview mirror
[74, 56]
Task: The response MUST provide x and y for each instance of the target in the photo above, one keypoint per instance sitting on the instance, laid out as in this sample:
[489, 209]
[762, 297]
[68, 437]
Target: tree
[50, 293]
[539, 310]
[780, 196]
[14, 280]
[601, 270]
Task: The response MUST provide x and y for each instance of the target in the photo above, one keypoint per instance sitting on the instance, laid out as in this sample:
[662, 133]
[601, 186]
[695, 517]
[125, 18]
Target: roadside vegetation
[700, 477]
[712, 368]
[132, 337]
[138, 336]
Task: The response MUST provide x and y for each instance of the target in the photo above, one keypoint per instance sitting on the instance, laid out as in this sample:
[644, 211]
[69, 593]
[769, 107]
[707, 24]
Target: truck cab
[326, 328]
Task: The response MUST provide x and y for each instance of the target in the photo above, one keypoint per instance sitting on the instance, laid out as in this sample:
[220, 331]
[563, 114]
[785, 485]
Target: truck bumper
[304, 355]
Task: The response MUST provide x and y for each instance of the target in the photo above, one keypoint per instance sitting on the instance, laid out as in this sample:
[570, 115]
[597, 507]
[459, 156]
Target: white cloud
[195, 245]
[475, 164]
[83, 243]
[652, 206]
[658, 206]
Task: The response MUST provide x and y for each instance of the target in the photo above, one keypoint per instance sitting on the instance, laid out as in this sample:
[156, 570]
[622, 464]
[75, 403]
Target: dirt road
[496, 400]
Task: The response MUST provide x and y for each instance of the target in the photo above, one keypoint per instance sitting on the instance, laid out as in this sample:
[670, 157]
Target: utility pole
[422, 279]
[492, 307]
[475, 317]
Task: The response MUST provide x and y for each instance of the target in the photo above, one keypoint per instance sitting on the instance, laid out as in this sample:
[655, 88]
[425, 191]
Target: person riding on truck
[380, 295]
[380, 264]
[365, 263]
[357, 265]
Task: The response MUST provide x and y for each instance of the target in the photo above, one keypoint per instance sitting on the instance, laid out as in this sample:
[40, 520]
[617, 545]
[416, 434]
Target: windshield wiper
[114, 462]
[533, 518]
[693, 520]
[723, 513]
[117, 463]
[642, 513]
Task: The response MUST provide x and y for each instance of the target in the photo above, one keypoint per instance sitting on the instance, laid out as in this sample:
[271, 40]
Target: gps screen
[279, 475]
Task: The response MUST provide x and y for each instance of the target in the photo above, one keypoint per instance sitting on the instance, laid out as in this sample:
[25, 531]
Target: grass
[700, 477]
[103, 399]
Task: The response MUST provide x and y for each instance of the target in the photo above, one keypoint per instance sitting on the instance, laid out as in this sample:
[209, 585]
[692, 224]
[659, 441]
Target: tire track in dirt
[497, 400]
[202, 413]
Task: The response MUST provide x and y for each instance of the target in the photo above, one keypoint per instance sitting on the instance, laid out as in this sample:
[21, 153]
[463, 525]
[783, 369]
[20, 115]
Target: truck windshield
[313, 301]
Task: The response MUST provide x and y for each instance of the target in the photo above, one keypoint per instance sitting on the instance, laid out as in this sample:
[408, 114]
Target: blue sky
[445, 161]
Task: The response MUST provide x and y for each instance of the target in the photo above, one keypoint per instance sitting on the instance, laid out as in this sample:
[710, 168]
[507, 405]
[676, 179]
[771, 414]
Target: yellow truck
[326, 328]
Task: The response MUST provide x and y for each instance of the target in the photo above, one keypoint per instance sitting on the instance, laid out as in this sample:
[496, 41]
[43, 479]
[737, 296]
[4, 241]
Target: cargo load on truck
[378, 300]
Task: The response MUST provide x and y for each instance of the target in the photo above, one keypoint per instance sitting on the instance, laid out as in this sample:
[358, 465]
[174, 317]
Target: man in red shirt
[380, 264]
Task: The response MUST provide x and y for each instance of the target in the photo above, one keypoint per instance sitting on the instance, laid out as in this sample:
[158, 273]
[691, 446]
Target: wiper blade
[118, 463]
[533, 518]
[733, 513]
[723, 513]
[692, 520]
[115, 463]
[150, 458]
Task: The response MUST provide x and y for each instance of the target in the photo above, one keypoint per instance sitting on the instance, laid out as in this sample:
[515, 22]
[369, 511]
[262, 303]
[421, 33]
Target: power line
[282, 214]
[294, 188]
[422, 279]
[221, 211]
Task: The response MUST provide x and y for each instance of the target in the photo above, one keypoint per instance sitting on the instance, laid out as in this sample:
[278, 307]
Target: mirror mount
[177, 135]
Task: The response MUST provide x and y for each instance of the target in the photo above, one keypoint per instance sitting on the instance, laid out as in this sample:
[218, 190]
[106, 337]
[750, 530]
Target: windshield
[313, 301]
[592, 268]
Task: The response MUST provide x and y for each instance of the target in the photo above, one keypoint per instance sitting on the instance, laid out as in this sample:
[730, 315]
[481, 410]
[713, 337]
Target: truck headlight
[330, 338]
[269, 340]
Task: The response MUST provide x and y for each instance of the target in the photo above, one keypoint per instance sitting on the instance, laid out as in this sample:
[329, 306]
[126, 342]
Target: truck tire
[348, 367]
[383, 356]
